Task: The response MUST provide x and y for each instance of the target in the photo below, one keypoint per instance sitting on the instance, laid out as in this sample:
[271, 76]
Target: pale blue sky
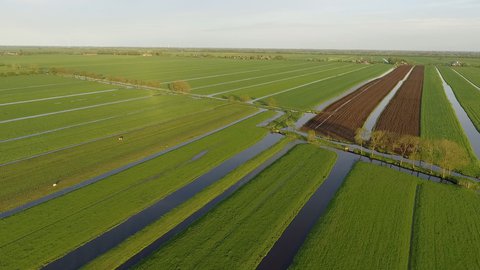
[337, 24]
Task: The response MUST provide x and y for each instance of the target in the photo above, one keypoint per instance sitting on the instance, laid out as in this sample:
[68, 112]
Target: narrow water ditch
[101, 244]
[468, 127]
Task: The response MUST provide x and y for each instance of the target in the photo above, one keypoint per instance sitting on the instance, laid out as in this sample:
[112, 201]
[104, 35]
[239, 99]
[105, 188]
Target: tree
[311, 135]
[427, 152]
[271, 102]
[180, 86]
[361, 135]
[245, 98]
[404, 145]
[452, 156]
[376, 139]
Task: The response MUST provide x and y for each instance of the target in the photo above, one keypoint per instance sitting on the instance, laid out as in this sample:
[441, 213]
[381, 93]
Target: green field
[384, 219]
[33, 237]
[19, 184]
[438, 119]
[471, 73]
[467, 95]
[307, 98]
[135, 243]
[447, 228]
[367, 225]
[240, 231]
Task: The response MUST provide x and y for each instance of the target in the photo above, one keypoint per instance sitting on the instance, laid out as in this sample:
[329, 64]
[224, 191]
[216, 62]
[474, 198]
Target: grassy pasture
[45, 232]
[28, 87]
[367, 225]
[467, 95]
[262, 90]
[446, 228]
[135, 243]
[19, 185]
[385, 219]
[309, 97]
[241, 230]
[438, 119]
[471, 73]
[21, 141]
[251, 80]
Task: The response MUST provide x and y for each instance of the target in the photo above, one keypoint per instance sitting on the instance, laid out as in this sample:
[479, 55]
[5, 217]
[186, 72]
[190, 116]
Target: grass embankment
[438, 119]
[28, 180]
[367, 225]
[385, 219]
[307, 98]
[467, 94]
[137, 242]
[241, 230]
[41, 234]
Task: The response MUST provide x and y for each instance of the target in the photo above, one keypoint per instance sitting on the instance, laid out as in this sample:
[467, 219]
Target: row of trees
[447, 154]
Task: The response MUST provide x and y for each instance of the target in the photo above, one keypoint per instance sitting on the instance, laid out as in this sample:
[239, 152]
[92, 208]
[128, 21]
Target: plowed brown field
[341, 119]
[402, 114]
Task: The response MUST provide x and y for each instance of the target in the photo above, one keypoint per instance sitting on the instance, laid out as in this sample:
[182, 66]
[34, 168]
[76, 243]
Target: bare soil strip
[402, 114]
[341, 119]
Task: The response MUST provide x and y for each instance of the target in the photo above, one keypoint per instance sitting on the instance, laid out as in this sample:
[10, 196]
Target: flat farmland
[32, 238]
[471, 73]
[260, 79]
[342, 118]
[241, 230]
[438, 119]
[197, 71]
[446, 228]
[134, 244]
[96, 156]
[367, 225]
[402, 114]
[309, 97]
[283, 83]
[467, 94]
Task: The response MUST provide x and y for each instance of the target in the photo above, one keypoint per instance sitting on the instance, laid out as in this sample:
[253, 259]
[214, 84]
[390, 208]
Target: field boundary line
[120, 169]
[306, 84]
[474, 85]
[58, 97]
[258, 77]
[72, 110]
[412, 228]
[274, 81]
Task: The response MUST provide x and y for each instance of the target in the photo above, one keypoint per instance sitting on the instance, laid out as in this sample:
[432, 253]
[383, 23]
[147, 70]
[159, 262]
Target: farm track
[342, 118]
[465, 78]
[402, 114]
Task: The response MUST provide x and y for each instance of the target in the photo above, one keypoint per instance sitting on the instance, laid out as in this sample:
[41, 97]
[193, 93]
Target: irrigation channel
[121, 169]
[284, 250]
[467, 125]
[204, 210]
[101, 244]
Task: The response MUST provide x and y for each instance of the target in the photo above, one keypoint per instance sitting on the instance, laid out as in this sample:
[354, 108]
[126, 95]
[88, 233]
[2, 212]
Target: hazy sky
[317, 24]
